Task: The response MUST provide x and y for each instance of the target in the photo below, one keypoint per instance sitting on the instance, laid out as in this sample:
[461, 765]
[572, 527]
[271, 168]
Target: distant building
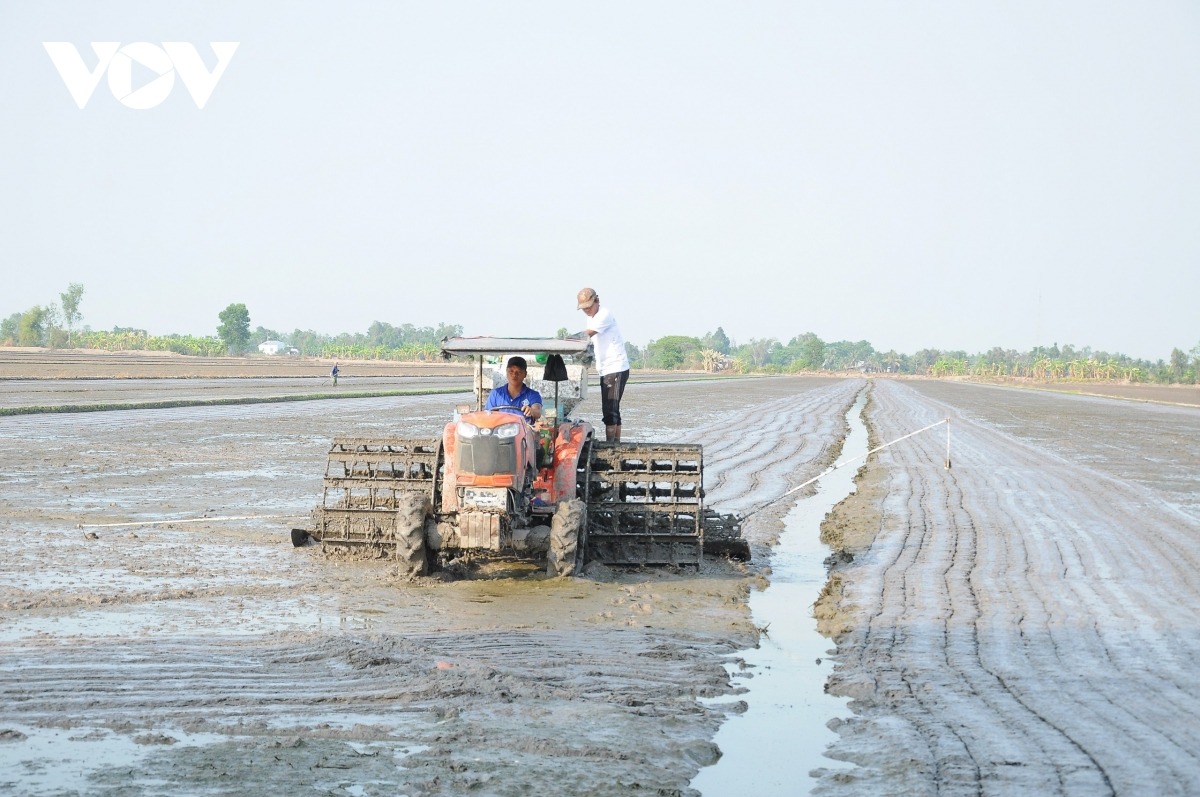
[272, 346]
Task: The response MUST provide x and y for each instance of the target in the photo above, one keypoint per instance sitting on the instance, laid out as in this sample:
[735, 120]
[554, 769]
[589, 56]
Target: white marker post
[947, 444]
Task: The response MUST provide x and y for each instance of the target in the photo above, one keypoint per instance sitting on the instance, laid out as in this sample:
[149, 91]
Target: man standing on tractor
[516, 396]
[612, 363]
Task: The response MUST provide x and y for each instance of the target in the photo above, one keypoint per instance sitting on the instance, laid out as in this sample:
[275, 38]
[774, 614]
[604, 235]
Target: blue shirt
[499, 399]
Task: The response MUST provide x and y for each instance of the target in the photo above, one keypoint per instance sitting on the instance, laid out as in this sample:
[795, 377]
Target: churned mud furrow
[1002, 625]
[1085, 579]
[749, 423]
[751, 445]
[191, 681]
[1036, 611]
[665, 411]
[935, 542]
[628, 699]
[989, 679]
[952, 701]
[754, 461]
[752, 452]
[1102, 707]
[1060, 558]
[1072, 561]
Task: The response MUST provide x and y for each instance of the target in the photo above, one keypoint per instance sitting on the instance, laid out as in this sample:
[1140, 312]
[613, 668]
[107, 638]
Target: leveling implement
[493, 484]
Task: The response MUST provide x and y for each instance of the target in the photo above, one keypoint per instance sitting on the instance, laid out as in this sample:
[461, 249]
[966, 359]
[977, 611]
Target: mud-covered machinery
[494, 484]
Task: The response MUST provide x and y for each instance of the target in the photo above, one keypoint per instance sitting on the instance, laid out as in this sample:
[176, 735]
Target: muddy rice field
[1023, 622]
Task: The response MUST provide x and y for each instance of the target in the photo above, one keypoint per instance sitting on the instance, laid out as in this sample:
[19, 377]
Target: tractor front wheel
[565, 530]
[410, 535]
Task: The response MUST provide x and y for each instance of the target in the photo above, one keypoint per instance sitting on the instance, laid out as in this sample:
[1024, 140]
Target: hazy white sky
[948, 175]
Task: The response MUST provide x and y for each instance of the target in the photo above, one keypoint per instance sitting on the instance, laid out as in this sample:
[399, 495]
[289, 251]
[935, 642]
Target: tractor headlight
[508, 430]
[466, 430]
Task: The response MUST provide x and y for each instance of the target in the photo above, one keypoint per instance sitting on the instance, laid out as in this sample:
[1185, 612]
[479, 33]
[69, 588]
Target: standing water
[770, 749]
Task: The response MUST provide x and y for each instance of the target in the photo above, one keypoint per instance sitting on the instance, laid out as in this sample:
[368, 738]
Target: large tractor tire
[565, 530]
[410, 535]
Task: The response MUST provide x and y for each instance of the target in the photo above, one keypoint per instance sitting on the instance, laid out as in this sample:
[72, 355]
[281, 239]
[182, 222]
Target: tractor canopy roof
[488, 345]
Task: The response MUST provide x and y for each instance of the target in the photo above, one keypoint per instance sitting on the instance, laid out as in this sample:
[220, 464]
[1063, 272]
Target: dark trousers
[612, 388]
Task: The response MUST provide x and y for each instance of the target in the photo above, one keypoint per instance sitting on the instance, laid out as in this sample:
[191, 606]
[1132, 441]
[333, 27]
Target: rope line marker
[844, 463]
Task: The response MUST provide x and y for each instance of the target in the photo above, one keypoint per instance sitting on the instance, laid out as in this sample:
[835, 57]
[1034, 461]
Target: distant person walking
[612, 363]
[333, 373]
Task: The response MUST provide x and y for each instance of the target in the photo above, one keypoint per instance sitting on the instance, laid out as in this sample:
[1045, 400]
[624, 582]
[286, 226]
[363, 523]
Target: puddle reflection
[781, 737]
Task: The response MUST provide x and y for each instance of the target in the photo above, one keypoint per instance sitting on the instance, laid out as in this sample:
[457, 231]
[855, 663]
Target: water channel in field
[771, 747]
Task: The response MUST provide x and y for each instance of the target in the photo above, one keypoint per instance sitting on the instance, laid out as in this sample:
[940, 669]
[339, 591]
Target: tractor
[493, 484]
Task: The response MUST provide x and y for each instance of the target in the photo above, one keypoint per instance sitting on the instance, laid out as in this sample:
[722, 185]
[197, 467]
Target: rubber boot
[612, 434]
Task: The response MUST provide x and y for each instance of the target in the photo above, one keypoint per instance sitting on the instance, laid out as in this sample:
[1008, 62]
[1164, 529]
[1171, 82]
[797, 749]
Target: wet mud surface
[214, 657]
[1020, 624]
[1023, 623]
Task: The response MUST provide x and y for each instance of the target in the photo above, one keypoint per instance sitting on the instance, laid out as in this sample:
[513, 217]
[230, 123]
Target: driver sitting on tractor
[516, 396]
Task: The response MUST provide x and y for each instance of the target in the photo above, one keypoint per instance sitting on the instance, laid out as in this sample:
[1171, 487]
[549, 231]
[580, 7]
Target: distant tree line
[51, 325]
[54, 326]
[381, 341]
[809, 353]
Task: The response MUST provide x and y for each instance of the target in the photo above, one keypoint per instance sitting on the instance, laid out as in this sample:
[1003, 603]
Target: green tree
[445, 331]
[70, 307]
[862, 352]
[234, 328]
[31, 328]
[671, 351]
[892, 361]
[261, 334]
[717, 341]
[808, 351]
[308, 342]
[381, 333]
[637, 357]
[9, 329]
[922, 361]
[760, 350]
[1179, 364]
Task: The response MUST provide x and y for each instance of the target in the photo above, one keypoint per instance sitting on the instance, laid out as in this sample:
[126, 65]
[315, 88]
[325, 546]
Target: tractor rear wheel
[565, 530]
[410, 535]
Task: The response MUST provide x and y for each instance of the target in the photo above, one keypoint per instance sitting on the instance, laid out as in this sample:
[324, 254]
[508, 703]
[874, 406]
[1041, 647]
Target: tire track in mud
[255, 679]
[605, 708]
[1029, 623]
